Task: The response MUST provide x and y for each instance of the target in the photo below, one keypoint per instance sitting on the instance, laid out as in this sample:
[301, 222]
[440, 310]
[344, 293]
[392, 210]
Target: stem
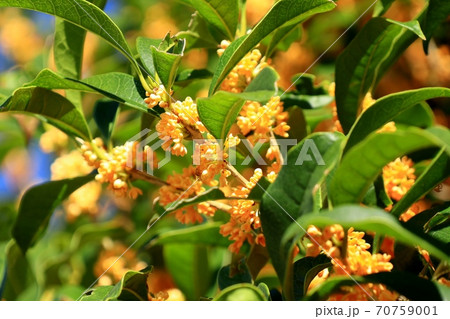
[273, 142]
[345, 246]
[146, 177]
[376, 243]
[243, 24]
[219, 205]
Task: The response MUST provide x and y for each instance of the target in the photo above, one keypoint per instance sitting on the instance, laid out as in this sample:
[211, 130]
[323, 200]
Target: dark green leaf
[37, 206]
[51, 106]
[437, 12]
[233, 274]
[362, 64]
[438, 219]
[292, 194]
[305, 269]
[387, 109]
[105, 114]
[420, 115]
[436, 172]
[189, 75]
[287, 12]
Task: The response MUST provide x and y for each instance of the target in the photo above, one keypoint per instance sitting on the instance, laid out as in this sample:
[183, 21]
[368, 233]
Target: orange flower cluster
[157, 97]
[178, 123]
[183, 186]
[244, 72]
[260, 120]
[358, 261]
[53, 140]
[244, 221]
[114, 167]
[83, 200]
[398, 177]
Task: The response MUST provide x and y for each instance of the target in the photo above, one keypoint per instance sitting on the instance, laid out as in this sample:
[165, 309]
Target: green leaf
[305, 269]
[205, 234]
[438, 219]
[367, 219]
[97, 294]
[166, 65]
[219, 112]
[37, 206]
[437, 13]
[132, 287]
[83, 14]
[221, 14]
[241, 292]
[381, 7]
[362, 64]
[436, 172]
[143, 47]
[191, 268]
[292, 194]
[233, 274]
[420, 115]
[20, 282]
[51, 106]
[412, 287]
[187, 76]
[387, 109]
[105, 114]
[120, 87]
[287, 12]
[362, 164]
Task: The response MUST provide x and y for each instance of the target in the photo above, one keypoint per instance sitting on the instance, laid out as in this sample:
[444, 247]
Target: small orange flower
[398, 177]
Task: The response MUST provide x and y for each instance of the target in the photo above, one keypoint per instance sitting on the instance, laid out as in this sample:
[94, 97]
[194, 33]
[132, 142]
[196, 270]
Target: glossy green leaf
[221, 14]
[420, 115]
[387, 109]
[37, 206]
[305, 269]
[219, 112]
[120, 87]
[362, 164]
[292, 194]
[166, 66]
[437, 13]
[367, 219]
[438, 219]
[241, 292]
[83, 14]
[286, 12]
[51, 106]
[409, 285]
[364, 61]
[97, 294]
[436, 172]
[205, 234]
